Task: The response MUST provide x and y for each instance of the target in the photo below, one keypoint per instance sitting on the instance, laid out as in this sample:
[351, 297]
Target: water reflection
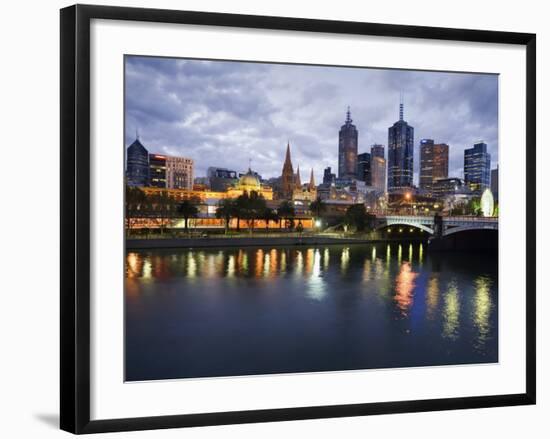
[404, 279]
[451, 312]
[404, 287]
[432, 296]
[482, 310]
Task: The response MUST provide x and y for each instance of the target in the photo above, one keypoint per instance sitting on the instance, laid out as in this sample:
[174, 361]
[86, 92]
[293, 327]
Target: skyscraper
[347, 148]
[377, 150]
[137, 164]
[400, 153]
[426, 163]
[477, 167]
[434, 163]
[363, 167]
[378, 173]
[328, 176]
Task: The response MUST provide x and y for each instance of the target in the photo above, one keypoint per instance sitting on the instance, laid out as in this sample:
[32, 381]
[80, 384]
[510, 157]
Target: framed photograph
[268, 218]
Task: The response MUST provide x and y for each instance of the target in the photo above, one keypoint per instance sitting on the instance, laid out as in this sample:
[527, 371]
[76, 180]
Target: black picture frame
[75, 217]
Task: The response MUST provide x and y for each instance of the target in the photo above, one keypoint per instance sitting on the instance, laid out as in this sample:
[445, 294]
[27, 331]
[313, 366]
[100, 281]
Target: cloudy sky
[224, 113]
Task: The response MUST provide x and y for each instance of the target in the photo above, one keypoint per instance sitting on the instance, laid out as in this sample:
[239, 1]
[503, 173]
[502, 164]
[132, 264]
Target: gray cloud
[223, 113]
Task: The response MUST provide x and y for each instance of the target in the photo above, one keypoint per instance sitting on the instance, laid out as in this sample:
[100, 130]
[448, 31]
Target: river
[239, 311]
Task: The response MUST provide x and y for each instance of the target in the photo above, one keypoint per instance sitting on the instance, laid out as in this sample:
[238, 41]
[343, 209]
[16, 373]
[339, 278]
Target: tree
[188, 209]
[252, 206]
[357, 217]
[286, 211]
[226, 210]
[268, 215]
[164, 207]
[474, 207]
[317, 207]
[134, 203]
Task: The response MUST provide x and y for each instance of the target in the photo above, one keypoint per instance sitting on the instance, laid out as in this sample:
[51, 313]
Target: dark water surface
[232, 311]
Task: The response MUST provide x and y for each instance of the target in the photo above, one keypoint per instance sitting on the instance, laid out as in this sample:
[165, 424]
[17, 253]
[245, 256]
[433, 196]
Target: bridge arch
[405, 224]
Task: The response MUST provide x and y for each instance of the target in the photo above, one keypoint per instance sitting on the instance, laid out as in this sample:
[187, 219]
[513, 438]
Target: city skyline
[224, 113]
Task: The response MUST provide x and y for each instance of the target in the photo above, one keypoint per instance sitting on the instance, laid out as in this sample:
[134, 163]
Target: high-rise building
[328, 177]
[137, 164]
[477, 167]
[494, 183]
[426, 163]
[347, 148]
[377, 150]
[157, 170]
[179, 173]
[400, 153]
[378, 173]
[221, 178]
[434, 163]
[288, 178]
[363, 167]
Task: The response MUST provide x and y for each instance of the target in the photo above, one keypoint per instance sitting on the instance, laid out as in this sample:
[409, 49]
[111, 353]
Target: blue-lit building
[477, 168]
[137, 164]
[363, 168]
[347, 149]
[400, 154]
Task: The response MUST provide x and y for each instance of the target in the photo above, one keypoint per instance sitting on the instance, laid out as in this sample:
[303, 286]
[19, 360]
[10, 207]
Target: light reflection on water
[447, 301]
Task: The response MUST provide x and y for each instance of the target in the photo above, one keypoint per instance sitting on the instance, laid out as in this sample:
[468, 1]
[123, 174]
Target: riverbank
[140, 244]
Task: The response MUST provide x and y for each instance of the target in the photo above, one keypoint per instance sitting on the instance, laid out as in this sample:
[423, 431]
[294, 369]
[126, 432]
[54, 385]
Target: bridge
[438, 225]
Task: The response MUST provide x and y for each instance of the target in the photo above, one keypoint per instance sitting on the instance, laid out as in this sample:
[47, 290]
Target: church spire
[287, 176]
[298, 180]
[287, 158]
[311, 180]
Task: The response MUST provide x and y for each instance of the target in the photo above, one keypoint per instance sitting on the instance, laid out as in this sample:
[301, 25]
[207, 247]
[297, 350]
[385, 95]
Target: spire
[401, 106]
[249, 165]
[298, 180]
[287, 158]
[311, 180]
[348, 116]
[137, 133]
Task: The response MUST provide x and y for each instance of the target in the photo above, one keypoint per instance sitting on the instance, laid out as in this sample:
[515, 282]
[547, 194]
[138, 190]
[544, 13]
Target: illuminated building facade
[157, 170]
[400, 153]
[347, 148]
[307, 192]
[137, 164]
[434, 163]
[378, 173]
[179, 172]
[477, 167]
